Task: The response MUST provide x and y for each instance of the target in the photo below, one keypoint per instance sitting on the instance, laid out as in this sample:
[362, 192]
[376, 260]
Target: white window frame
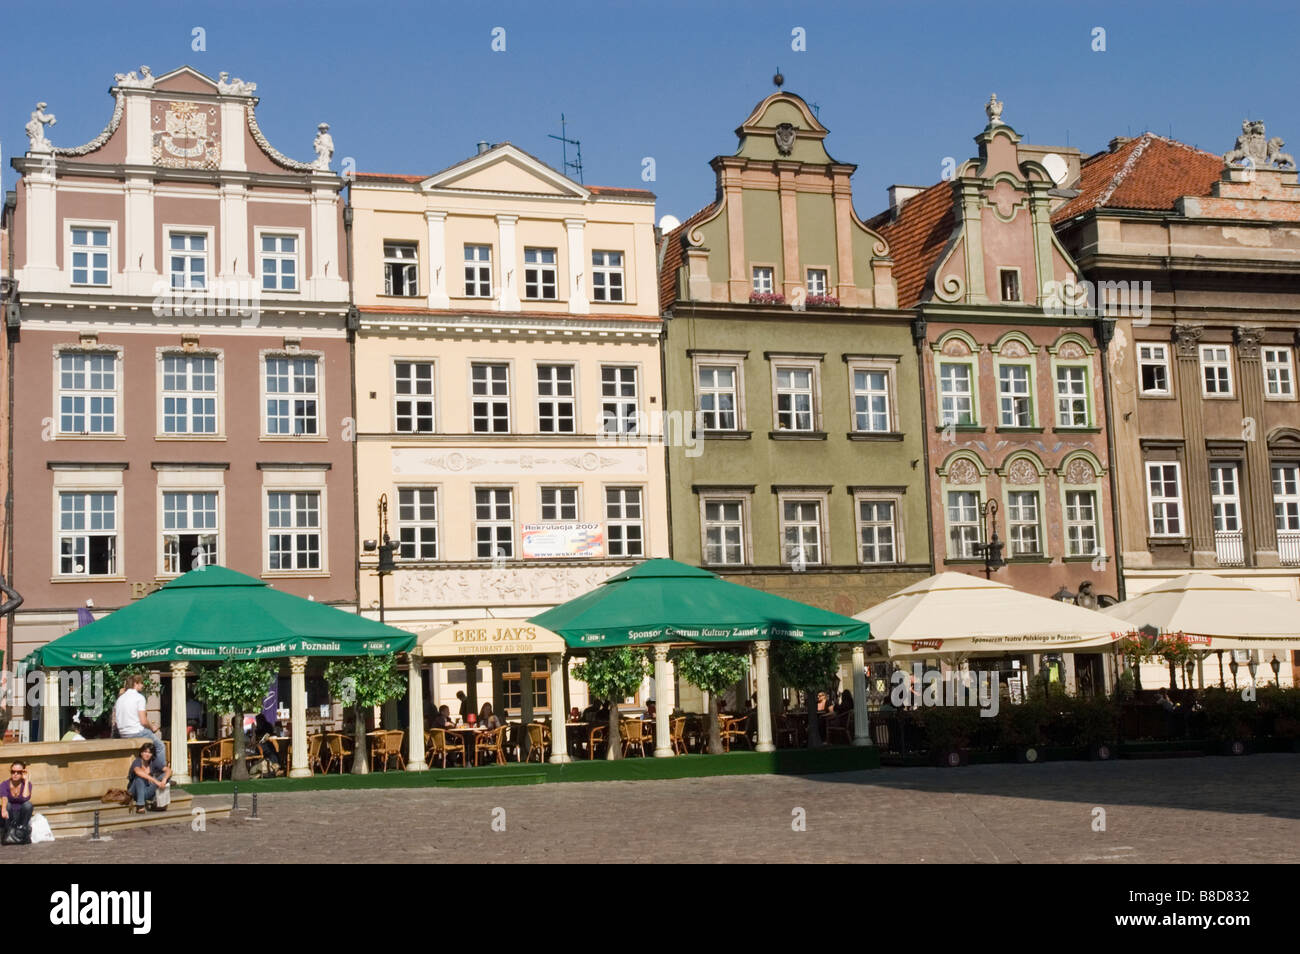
[1278, 372]
[414, 397]
[958, 552]
[763, 279]
[319, 394]
[411, 264]
[1214, 362]
[189, 513]
[741, 498]
[217, 395]
[543, 270]
[799, 498]
[1286, 499]
[574, 491]
[481, 269]
[86, 532]
[494, 521]
[299, 247]
[1031, 417]
[295, 479]
[299, 508]
[971, 394]
[622, 521]
[207, 232]
[603, 273]
[1154, 348]
[1065, 414]
[492, 400]
[623, 422]
[1225, 497]
[1165, 501]
[189, 479]
[418, 523]
[809, 288]
[895, 525]
[733, 361]
[556, 400]
[889, 368]
[86, 479]
[813, 366]
[1076, 522]
[1015, 521]
[69, 249]
[118, 393]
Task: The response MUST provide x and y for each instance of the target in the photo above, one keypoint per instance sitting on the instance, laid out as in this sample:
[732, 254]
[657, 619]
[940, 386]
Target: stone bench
[63, 772]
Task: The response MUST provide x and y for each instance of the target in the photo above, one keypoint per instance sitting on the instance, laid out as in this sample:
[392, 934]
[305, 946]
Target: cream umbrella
[1213, 613]
[961, 615]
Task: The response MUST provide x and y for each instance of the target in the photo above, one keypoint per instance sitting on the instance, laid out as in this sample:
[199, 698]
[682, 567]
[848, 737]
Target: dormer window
[1009, 278]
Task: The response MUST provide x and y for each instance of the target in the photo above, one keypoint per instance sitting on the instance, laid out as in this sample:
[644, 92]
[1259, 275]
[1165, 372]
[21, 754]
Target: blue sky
[410, 87]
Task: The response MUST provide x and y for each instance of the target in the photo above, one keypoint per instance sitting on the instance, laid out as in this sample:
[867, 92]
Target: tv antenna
[565, 143]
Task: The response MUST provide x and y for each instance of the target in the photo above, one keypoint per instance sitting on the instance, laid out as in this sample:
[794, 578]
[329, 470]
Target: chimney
[1118, 143]
[898, 194]
[483, 146]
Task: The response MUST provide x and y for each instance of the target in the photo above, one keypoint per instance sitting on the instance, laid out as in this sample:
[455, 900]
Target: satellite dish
[1056, 167]
[668, 222]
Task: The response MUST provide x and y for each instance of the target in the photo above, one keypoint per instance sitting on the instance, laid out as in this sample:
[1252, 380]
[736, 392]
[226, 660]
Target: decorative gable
[508, 169]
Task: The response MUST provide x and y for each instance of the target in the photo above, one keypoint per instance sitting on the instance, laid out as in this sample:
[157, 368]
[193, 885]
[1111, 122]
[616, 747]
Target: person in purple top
[16, 802]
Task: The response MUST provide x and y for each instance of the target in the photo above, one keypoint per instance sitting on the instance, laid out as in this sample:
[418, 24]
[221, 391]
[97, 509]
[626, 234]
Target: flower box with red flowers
[766, 298]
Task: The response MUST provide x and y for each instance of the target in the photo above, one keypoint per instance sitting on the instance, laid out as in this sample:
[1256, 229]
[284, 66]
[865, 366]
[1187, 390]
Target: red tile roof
[673, 258]
[1149, 172]
[916, 238]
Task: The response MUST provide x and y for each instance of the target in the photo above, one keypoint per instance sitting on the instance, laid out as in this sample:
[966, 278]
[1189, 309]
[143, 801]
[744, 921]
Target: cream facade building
[508, 397]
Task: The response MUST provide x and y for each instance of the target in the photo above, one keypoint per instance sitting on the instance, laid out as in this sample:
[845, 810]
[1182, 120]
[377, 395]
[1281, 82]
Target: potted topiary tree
[713, 671]
[613, 674]
[363, 682]
[236, 686]
[808, 667]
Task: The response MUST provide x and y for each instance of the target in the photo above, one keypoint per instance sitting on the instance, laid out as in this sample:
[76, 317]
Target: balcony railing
[1288, 547]
[1229, 547]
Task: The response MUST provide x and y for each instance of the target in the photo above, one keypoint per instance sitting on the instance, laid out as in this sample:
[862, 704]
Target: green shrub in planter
[949, 729]
[1229, 719]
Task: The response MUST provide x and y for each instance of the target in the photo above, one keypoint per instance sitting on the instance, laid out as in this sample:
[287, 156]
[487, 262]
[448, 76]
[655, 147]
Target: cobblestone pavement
[1166, 811]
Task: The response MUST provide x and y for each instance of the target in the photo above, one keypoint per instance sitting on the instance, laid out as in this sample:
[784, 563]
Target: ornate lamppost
[991, 549]
[386, 547]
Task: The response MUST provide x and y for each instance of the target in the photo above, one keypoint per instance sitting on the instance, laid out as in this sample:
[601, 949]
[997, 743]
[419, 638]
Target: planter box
[952, 758]
[1101, 752]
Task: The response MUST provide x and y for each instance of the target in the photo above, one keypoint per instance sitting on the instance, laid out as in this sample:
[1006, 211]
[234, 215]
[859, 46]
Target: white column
[663, 714]
[298, 716]
[328, 282]
[234, 121]
[179, 756]
[42, 270]
[508, 267]
[559, 736]
[415, 728]
[50, 707]
[765, 744]
[861, 730]
[437, 259]
[233, 234]
[139, 135]
[578, 277]
[138, 240]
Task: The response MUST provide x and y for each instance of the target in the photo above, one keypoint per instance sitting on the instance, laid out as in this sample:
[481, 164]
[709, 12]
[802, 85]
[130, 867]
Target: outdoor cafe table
[469, 735]
[193, 753]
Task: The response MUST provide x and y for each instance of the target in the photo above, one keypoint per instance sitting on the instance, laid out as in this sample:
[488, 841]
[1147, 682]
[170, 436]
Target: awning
[1213, 613]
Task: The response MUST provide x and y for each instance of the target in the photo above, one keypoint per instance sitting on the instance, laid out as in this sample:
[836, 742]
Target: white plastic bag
[41, 829]
[163, 798]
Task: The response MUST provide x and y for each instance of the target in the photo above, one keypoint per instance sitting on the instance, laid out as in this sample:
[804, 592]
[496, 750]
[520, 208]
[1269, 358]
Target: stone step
[77, 819]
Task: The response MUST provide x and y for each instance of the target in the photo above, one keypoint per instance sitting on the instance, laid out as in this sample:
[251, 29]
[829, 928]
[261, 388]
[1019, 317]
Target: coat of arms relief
[186, 136]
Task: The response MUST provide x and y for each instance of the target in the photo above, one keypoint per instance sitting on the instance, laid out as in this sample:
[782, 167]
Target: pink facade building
[181, 356]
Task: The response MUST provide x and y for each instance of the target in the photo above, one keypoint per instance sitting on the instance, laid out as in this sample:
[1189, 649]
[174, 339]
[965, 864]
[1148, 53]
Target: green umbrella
[666, 601]
[212, 613]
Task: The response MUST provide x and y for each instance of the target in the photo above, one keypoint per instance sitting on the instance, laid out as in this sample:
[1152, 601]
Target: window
[1071, 396]
[1279, 380]
[511, 677]
[494, 523]
[618, 408]
[724, 532]
[963, 523]
[816, 281]
[1225, 500]
[478, 271]
[956, 404]
[717, 390]
[560, 503]
[763, 280]
[279, 263]
[417, 523]
[1014, 396]
[624, 533]
[876, 531]
[1164, 498]
[794, 399]
[291, 396]
[90, 256]
[1286, 496]
[1153, 368]
[189, 394]
[88, 534]
[556, 412]
[188, 255]
[413, 397]
[607, 276]
[490, 387]
[1216, 369]
[871, 401]
[1022, 523]
[189, 531]
[1080, 523]
[801, 532]
[539, 273]
[401, 269]
[87, 393]
[295, 537]
[1009, 278]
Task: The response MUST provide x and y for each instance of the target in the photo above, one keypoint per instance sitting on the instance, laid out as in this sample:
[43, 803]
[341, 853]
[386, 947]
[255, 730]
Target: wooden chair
[313, 752]
[633, 735]
[595, 738]
[677, 732]
[734, 730]
[220, 753]
[881, 732]
[337, 748]
[385, 746]
[441, 745]
[840, 724]
[493, 743]
[539, 740]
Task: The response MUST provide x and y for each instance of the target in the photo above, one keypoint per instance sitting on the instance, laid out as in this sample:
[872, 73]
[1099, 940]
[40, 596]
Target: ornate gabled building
[181, 364]
[784, 342]
[1013, 389]
[1207, 412]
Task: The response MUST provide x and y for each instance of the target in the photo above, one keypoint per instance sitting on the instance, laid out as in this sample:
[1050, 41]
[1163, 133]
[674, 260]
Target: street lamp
[992, 550]
[1276, 667]
[386, 548]
[1253, 666]
[1234, 665]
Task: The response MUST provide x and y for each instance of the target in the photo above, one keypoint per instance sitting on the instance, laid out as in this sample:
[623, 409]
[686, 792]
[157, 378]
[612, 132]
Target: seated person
[650, 710]
[16, 799]
[592, 713]
[846, 702]
[486, 718]
[144, 779]
[266, 743]
[74, 731]
[442, 718]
